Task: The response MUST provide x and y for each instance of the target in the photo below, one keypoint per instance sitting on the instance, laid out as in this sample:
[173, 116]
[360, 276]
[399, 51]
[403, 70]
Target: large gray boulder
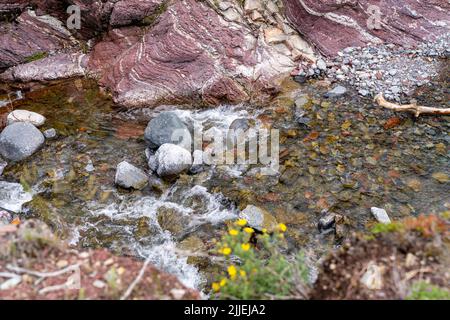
[170, 160]
[20, 140]
[167, 127]
[128, 176]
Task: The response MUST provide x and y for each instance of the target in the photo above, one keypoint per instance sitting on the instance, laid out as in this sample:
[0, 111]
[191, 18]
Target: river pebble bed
[338, 155]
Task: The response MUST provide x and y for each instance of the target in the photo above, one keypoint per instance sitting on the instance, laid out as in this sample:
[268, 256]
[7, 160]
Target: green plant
[386, 228]
[424, 291]
[36, 56]
[256, 267]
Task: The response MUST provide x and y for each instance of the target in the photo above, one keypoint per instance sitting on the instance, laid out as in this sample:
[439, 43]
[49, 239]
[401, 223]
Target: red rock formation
[29, 35]
[189, 54]
[332, 25]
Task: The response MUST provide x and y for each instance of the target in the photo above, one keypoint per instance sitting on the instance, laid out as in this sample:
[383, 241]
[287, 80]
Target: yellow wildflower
[226, 251]
[243, 273]
[216, 286]
[223, 282]
[249, 230]
[233, 232]
[232, 271]
[282, 227]
[241, 222]
[245, 246]
[264, 230]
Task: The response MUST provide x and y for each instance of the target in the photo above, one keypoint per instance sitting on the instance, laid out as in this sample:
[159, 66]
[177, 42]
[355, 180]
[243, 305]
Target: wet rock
[170, 159]
[327, 222]
[240, 124]
[50, 133]
[336, 92]
[167, 128]
[156, 183]
[300, 113]
[20, 140]
[258, 218]
[381, 215]
[13, 196]
[172, 220]
[5, 217]
[25, 116]
[128, 176]
[197, 165]
[3, 165]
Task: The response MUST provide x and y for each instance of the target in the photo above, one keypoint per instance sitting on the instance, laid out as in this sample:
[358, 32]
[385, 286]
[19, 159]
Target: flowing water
[349, 156]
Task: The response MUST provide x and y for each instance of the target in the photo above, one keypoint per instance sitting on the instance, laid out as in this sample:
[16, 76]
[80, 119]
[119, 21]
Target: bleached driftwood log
[413, 108]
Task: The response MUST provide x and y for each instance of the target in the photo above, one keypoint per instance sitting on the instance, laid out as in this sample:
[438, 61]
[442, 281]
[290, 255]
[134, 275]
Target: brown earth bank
[154, 51]
[387, 263]
[34, 264]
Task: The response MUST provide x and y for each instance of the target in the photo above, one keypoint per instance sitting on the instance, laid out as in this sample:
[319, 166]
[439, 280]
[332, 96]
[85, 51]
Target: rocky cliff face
[332, 25]
[152, 51]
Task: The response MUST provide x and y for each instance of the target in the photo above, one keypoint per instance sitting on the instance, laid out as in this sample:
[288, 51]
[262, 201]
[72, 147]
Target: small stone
[258, 218]
[381, 215]
[178, 294]
[322, 65]
[50, 133]
[373, 277]
[99, 284]
[10, 283]
[62, 264]
[26, 116]
[336, 92]
[327, 222]
[440, 177]
[128, 176]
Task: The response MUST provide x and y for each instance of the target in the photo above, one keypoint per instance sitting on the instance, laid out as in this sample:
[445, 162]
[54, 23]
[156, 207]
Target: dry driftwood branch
[413, 108]
[43, 274]
[136, 280]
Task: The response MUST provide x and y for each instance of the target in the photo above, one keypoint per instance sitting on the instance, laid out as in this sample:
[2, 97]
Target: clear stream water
[347, 159]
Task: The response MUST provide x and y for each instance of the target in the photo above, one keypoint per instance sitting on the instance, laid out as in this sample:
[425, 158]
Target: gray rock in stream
[20, 140]
[170, 159]
[50, 133]
[167, 127]
[336, 92]
[13, 196]
[128, 176]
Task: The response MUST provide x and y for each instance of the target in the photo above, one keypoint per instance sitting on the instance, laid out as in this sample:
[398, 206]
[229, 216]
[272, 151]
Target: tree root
[413, 108]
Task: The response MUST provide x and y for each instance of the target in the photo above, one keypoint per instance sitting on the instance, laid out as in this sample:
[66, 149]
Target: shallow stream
[345, 156]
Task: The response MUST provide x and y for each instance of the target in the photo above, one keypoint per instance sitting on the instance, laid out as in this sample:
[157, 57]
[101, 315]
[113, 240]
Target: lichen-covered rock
[128, 176]
[20, 140]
